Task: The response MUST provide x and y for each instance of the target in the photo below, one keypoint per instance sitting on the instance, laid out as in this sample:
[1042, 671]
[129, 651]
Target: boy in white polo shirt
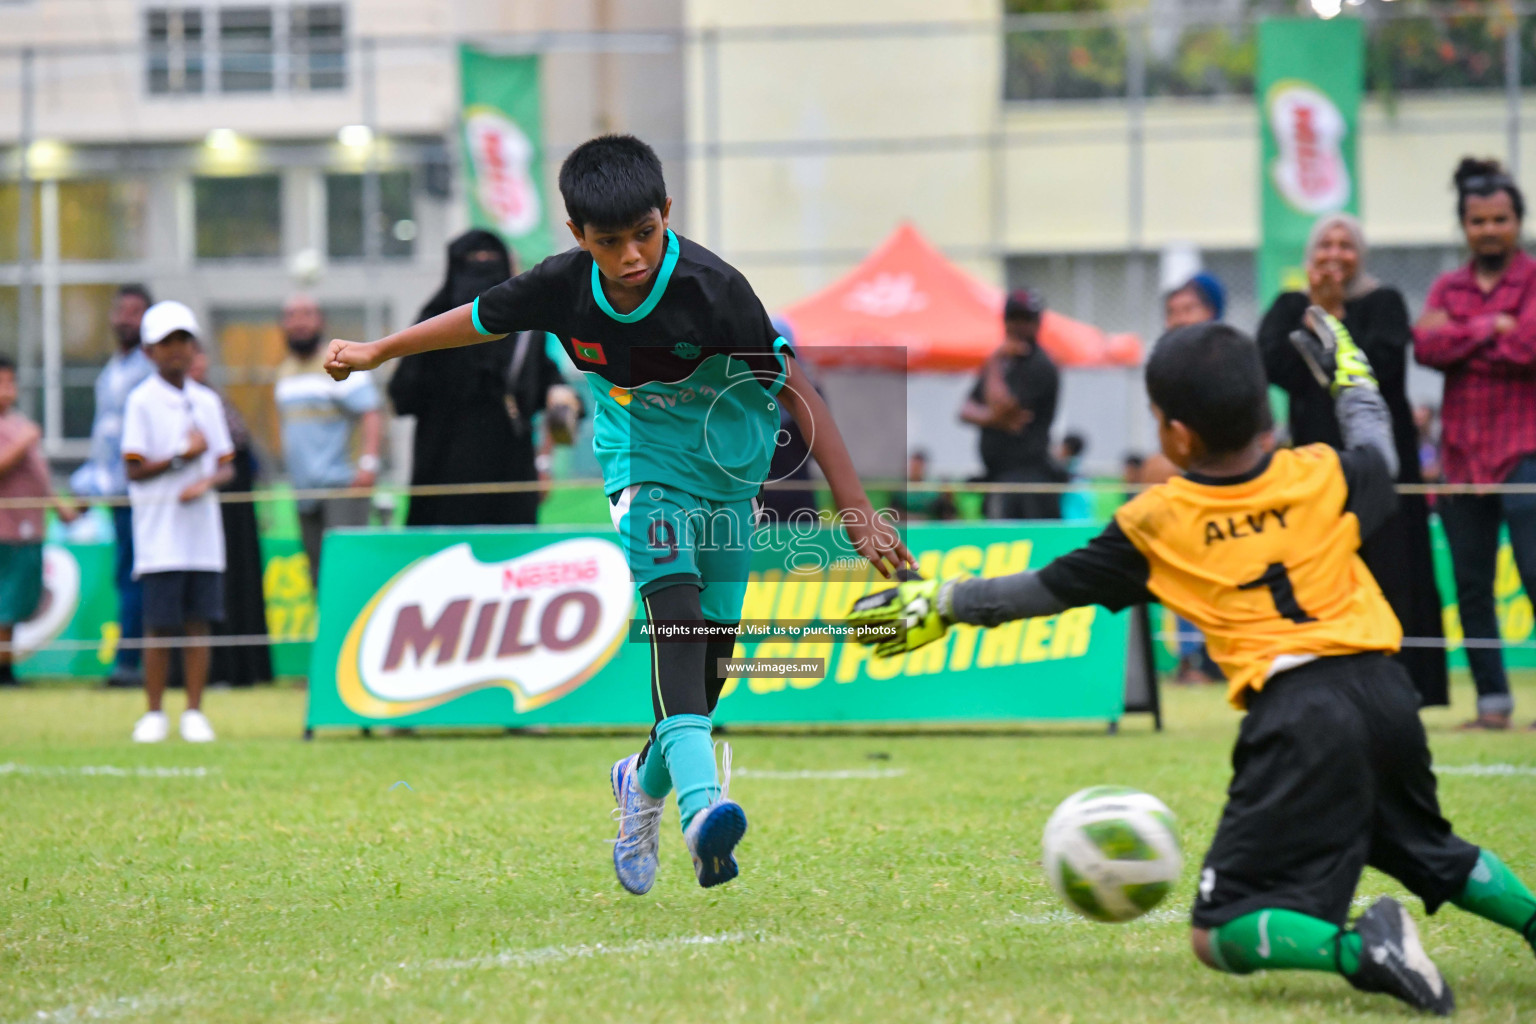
[177, 450]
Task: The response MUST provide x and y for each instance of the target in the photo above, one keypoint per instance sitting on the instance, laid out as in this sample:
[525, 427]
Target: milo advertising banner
[1310, 79]
[503, 150]
[542, 627]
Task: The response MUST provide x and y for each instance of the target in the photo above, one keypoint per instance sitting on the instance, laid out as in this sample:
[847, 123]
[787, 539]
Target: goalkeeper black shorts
[1331, 772]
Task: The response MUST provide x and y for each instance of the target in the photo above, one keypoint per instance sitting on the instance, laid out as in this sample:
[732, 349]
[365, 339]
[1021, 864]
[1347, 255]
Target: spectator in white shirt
[177, 451]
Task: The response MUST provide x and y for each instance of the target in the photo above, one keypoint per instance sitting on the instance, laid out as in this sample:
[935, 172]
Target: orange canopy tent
[907, 300]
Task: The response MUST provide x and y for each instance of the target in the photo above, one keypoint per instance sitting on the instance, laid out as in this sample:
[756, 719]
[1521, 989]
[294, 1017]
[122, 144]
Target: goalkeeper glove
[1330, 352]
[911, 607]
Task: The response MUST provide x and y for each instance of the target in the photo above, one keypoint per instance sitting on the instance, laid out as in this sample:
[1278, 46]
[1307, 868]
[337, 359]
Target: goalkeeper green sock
[1492, 891]
[1283, 940]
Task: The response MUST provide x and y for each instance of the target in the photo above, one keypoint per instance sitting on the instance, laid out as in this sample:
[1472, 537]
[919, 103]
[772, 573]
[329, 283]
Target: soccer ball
[1112, 852]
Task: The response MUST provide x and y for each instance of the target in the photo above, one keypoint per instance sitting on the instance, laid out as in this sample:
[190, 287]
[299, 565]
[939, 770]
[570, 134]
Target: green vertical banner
[1311, 76]
[501, 130]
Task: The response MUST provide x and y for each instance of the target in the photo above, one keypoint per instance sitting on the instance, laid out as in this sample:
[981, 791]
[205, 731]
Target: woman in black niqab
[473, 407]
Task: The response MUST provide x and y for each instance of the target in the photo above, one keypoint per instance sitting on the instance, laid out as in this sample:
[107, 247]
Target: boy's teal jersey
[686, 386]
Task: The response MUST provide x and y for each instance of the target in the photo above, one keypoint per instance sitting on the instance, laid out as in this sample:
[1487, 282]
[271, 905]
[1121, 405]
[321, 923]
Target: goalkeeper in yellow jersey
[1259, 549]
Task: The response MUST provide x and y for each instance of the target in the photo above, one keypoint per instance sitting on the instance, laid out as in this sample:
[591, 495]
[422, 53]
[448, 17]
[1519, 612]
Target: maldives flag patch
[589, 351]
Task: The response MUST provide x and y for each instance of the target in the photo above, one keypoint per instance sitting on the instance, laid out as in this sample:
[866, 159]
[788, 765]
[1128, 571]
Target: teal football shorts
[669, 536]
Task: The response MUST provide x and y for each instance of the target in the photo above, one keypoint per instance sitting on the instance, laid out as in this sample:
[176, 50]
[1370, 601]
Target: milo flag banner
[1310, 80]
[504, 151]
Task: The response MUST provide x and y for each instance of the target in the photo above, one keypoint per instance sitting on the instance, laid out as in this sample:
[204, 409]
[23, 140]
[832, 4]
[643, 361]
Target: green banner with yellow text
[502, 139]
[1310, 79]
[536, 627]
[74, 632]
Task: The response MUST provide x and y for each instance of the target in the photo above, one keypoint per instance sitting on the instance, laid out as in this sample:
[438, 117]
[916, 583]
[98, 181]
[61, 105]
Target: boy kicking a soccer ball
[686, 372]
[1259, 549]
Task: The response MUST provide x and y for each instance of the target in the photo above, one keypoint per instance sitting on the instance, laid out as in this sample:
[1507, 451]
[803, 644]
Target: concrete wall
[829, 137]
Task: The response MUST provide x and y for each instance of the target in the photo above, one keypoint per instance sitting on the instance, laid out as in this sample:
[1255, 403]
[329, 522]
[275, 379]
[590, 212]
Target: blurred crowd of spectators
[491, 413]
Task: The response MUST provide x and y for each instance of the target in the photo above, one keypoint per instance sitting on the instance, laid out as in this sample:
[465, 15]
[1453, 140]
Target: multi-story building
[217, 150]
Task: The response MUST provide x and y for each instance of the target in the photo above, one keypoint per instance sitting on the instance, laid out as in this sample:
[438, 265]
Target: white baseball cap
[164, 319]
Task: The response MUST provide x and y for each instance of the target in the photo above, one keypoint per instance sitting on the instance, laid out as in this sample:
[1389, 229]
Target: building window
[175, 50]
[103, 219]
[245, 49]
[239, 218]
[344, 216]
[317, 47]
[239, 48]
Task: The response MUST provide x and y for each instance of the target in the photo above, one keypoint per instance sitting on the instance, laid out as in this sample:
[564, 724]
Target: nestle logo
[548, 574]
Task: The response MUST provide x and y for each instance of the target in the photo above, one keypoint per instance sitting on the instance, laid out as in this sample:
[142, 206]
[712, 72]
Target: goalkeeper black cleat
[1393, 962]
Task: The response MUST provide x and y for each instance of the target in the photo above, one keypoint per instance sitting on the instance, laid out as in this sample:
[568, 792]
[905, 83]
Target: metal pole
[52, 333]
[998, 159]
[25, 305]
[1135, 128]
[373, 214]
[1135, 215]
[1512, 94]
[713, 203]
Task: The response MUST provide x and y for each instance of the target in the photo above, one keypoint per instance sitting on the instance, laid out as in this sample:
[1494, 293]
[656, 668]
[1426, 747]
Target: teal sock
[1283, 940]
[652, 773]
[1493, 892]
[690, 757]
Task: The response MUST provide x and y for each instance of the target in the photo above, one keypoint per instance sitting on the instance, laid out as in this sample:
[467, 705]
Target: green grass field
[266, 879]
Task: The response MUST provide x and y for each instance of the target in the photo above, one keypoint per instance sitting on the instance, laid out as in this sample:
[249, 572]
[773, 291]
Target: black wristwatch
[177, 461]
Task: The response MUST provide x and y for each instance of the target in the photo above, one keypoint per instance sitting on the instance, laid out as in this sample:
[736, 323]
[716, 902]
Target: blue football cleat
[639, 818]
[713, 833]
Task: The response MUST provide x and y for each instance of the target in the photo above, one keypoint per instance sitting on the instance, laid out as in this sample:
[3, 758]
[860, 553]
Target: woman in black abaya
[1398, 553]
[474, 406]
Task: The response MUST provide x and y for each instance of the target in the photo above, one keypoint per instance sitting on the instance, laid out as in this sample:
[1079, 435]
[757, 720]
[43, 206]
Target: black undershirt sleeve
[1108, 571]
[1372, 495]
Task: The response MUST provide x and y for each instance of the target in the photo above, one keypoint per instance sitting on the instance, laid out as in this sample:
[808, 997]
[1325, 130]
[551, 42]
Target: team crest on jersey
[589, 351]
[686, 350]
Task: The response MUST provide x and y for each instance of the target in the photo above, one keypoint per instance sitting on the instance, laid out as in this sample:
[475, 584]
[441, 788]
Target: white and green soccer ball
[1112, 852]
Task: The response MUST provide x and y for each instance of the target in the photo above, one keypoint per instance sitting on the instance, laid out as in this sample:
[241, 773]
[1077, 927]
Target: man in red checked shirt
[1479, 329]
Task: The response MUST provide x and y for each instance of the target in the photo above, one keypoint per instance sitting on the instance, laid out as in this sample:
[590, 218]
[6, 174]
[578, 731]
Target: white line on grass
[846, 773]
[105, 1009]
[1164, 916]
[106, 770]
[1485, 769]
[556, 954]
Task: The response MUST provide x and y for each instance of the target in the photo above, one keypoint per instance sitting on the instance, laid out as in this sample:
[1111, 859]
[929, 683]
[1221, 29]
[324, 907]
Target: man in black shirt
[1014, 404]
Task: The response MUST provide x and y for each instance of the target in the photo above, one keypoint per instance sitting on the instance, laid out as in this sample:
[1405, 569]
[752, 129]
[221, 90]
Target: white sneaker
[152, 728]
[195, 727]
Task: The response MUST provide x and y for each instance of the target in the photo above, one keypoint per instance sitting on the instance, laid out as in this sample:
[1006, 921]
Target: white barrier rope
[265, 640]
[533, 486]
